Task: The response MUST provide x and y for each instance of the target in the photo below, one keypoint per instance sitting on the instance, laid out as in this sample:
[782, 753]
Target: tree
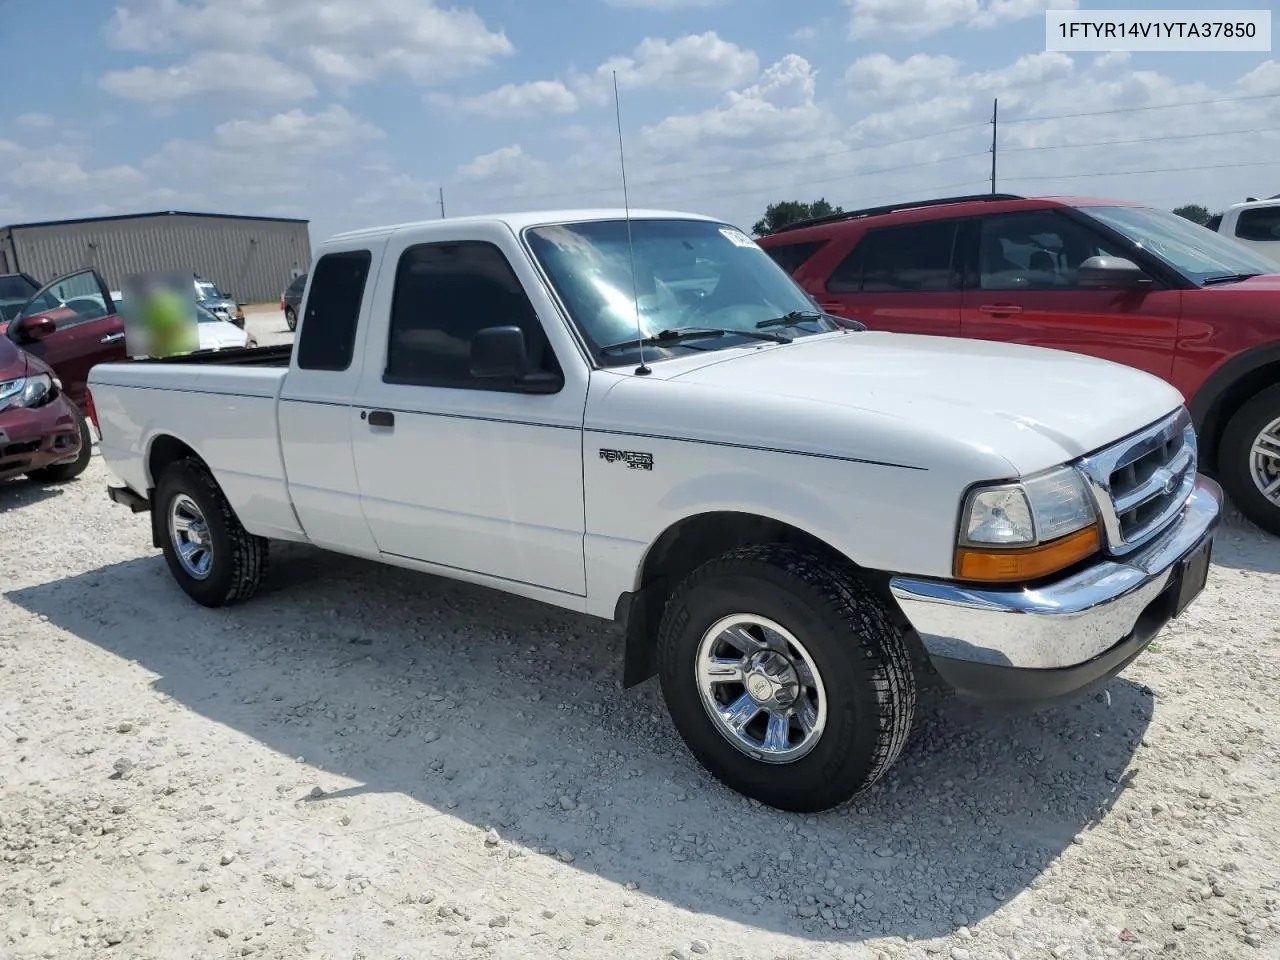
[778, 215]
[1194, 212]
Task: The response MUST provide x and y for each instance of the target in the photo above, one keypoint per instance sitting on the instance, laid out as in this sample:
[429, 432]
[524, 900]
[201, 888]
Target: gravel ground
[365, 762]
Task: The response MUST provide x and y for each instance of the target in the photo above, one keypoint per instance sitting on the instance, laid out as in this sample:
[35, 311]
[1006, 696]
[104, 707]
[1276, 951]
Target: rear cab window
[1259, 224]
[327, 337]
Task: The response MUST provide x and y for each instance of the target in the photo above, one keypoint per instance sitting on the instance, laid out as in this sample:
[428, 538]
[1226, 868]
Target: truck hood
[920, 395]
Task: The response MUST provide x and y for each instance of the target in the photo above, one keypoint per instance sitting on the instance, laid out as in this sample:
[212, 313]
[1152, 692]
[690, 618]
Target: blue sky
[355, 112]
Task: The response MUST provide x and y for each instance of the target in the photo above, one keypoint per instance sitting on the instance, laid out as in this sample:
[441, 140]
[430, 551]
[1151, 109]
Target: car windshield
[688, 274]
[207, 291]
[1197, 253]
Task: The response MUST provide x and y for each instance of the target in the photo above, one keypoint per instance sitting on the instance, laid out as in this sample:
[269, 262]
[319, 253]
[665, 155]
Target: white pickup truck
[644, 420]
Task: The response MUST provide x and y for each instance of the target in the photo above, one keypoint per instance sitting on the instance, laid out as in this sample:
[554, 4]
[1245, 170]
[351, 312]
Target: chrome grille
[1141, 483]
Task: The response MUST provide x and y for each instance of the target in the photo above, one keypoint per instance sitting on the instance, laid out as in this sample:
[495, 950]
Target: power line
[1172, 136]
[1134, 173]
[1158, 106]
[731, 171]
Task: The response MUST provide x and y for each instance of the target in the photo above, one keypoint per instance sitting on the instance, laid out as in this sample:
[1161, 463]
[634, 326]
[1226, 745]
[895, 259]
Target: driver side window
[75, 299]
[1040, 250]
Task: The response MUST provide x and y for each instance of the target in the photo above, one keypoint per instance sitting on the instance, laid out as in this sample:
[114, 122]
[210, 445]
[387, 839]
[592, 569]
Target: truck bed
[221, 403]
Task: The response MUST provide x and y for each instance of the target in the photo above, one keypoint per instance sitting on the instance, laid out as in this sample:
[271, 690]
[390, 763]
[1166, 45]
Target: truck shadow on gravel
[19, 493]
[509, 715]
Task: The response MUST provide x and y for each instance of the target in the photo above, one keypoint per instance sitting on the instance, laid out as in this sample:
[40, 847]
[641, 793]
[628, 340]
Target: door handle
[381, 418]
[112, 337]
[999, 309]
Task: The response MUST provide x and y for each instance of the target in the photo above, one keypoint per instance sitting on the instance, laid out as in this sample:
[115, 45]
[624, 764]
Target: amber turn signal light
[1026, 563]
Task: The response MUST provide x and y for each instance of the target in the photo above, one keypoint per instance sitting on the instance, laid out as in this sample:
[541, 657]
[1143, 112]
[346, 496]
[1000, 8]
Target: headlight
[27, 392]
[1017, 532]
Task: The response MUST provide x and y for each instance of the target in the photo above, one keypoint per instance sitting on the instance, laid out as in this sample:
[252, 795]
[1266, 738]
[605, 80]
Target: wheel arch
[684, 546]
[163, 449]
[1226, 390]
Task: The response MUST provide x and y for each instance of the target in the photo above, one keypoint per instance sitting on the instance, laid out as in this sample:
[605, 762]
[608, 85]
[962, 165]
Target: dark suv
[291, 300]
[1123, 282]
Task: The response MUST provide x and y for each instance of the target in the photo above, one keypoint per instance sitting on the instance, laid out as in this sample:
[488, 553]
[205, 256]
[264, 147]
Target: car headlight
[1018, 532]
[28, 391]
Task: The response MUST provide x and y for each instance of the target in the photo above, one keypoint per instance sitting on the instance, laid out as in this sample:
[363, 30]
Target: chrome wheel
[1264, 461]
[189, 532]
[761, 689]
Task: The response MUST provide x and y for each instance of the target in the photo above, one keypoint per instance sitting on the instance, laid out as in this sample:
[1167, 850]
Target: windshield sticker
[737, 237]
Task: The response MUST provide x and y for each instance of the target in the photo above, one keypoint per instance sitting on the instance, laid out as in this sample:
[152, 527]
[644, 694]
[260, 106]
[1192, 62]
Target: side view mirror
[35, 327]
[500, 353]
[1111, 273]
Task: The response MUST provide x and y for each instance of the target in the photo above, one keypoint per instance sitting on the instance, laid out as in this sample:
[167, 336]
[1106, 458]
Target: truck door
[314, 411]
[86, 329]
[470, 473]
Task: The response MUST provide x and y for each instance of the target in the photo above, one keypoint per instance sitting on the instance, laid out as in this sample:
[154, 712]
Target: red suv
[1115, 280]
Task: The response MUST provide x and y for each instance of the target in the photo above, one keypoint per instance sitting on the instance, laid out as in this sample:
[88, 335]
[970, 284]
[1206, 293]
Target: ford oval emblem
[1170, 485]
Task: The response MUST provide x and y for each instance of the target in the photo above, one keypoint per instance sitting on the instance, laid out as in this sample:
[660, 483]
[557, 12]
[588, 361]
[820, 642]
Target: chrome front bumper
[1083, 628]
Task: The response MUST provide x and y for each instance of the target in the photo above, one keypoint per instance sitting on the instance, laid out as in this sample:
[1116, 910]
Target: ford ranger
[643, 418]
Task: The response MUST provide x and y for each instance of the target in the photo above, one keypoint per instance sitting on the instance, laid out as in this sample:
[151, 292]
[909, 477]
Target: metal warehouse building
[250, 258]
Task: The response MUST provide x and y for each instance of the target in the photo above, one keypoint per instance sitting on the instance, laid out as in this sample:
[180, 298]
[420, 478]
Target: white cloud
[333, 129]
[516, 100]
[922, 76]
[347, 41]
[35, 121]
[694, 60]
[805, 34]
[216, 72]
[504, 163]
[921, 18]
[60, 175]
[701, 60]
[1262, 79]
[781, 106]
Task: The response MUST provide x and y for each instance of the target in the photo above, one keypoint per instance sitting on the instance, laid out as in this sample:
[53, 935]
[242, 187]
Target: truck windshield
[207, 291]
[688, 273]
[1197, 253]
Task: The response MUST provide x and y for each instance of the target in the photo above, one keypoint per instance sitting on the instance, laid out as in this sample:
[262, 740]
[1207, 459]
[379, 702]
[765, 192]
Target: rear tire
[1244, 472]
[211, 555]
[291, 318]
[65, 472]
[829, 662]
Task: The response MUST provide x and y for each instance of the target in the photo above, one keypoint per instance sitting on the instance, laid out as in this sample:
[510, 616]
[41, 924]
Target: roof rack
[894, 208]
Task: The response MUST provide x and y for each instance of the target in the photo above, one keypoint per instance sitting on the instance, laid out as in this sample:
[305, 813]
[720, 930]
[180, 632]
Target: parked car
[1119, 281]
[70, 324]
[789, 520]
[291, 300]
[221, 305]
[15, 290]
[1255, 223]
[42, 433]
[214, 332]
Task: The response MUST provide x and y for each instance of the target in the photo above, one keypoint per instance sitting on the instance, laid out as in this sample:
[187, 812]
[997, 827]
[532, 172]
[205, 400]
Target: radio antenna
[642, 370]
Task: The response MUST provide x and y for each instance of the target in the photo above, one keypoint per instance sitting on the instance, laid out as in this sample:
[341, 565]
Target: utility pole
[442, 203]
[995, 121]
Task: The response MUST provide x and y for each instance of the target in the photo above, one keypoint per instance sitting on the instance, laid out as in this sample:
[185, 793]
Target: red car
[42, 433]
[1119, 281]
[72, 325]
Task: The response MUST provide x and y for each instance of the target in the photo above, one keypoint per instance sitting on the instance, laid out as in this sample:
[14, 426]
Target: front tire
[211, 555]
[291, 318]
[1249, 459]
[66, 472]
[786, 677]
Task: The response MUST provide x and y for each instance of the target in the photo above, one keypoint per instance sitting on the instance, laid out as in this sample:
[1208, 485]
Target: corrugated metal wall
[253, 260]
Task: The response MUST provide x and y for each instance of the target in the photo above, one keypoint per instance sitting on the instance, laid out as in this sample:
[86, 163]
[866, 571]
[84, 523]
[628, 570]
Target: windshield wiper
[666, 338]
[1228, 278]
[795, 318]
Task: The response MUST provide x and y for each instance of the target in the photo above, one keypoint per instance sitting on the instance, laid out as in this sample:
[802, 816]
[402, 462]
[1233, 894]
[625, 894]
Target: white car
[792, 521]
[215, 333]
